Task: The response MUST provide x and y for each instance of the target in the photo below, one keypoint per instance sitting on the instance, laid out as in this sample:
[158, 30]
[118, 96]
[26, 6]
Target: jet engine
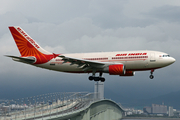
[128, 73]
[116, 69]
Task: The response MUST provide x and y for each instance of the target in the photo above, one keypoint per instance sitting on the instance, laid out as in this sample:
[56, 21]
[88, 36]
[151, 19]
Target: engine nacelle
[128, 73]
[117, 69]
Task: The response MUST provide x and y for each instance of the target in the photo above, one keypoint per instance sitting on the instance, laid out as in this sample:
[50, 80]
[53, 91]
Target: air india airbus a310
[122, 63]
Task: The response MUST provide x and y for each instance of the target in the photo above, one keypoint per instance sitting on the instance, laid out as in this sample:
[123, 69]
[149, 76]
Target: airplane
[122, 63]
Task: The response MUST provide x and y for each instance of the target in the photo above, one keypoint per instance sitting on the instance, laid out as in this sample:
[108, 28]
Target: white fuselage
[122, 63]
[132, 60]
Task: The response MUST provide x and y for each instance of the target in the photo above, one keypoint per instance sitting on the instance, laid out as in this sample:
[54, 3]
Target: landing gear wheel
[96, 78]
[91, 78]
[151, 76]
[102, 79]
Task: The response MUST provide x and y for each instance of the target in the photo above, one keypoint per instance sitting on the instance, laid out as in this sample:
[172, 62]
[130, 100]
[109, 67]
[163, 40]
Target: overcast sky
[73, 26]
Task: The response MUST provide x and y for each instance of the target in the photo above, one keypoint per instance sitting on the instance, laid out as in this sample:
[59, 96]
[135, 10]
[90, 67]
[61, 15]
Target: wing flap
[80, 61]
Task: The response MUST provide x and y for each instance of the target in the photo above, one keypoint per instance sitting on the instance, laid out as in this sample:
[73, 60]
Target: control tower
[99, 89]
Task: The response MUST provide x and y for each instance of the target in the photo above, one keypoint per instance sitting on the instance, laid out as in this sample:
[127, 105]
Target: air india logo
[28, 38]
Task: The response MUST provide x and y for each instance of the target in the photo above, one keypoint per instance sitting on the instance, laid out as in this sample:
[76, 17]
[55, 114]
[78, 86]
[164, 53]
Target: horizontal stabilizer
[28, 60]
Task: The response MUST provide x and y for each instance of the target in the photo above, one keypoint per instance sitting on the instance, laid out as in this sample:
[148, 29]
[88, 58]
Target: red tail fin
[28, 47]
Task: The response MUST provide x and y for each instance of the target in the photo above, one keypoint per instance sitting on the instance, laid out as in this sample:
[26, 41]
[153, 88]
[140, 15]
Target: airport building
[156, 109]
[171, 111]
[159, 109]
[62, 106]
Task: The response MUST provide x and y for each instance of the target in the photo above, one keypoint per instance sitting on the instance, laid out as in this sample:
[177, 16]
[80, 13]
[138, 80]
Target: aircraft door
[109, 58]
[152, 57]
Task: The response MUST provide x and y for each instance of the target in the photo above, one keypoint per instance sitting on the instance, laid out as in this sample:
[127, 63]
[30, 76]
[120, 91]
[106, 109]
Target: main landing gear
[151, 76]
[100, 78]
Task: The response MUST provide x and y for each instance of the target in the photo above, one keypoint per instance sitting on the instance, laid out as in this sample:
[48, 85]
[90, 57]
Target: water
[155, 119]
[141, 119]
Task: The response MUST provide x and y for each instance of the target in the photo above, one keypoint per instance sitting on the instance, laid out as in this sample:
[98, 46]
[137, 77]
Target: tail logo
[28, 47]
[28, 38]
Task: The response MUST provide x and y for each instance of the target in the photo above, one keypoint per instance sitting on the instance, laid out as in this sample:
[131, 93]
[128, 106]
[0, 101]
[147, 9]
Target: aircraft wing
[29, 60]
[85, 64]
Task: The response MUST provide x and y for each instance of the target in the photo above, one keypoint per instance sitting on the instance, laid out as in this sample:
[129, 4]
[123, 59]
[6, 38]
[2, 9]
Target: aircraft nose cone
[173, 60]
[168, 61]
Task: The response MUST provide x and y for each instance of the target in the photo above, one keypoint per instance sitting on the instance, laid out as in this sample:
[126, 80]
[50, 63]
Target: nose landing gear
[151, 76]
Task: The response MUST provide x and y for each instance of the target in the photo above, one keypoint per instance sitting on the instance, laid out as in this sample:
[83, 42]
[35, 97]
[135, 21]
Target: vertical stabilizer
[26, 45]
[29, 48]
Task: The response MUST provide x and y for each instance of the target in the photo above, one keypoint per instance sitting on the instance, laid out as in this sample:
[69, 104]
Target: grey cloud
[57, 11]
[167, 13]
[10, 19]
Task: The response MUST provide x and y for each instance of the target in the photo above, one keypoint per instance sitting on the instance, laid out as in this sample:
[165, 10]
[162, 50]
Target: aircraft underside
[74, 69]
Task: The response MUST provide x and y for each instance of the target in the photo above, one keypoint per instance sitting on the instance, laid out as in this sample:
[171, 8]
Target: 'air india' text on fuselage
[131, 54]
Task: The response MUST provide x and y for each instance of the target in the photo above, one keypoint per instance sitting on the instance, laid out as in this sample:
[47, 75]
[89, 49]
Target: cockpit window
[164, 55]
